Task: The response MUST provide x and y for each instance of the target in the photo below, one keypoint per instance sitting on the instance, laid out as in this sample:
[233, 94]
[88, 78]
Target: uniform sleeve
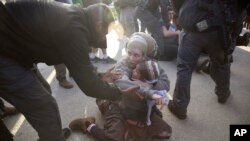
[73, 49]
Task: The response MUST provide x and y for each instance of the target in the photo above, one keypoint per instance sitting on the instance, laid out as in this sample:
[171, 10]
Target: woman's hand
[159, 100]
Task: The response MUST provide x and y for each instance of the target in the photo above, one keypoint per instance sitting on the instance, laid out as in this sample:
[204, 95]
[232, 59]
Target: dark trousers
[170, 49]
[60, 72]
[150, 21]
[1, 108]
[29, 92]
[190, 48]
[5, 134]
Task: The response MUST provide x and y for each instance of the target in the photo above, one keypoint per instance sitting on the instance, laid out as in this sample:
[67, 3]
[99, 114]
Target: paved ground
[207, 120]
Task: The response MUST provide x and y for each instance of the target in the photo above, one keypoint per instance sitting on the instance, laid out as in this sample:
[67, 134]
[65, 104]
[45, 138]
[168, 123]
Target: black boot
[173, 110]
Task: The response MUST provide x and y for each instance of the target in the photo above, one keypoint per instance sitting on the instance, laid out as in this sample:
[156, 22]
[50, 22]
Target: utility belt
[193, 30]
[205, 25]
[215, 24]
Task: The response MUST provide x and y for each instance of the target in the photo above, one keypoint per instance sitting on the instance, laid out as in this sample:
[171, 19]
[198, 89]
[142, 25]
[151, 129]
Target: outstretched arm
[75, 56]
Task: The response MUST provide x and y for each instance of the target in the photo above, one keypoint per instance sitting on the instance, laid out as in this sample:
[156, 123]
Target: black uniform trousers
[29, 92]
[189, 51]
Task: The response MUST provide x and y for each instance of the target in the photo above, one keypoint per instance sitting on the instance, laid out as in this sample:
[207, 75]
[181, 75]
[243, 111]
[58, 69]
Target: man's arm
[74, 52]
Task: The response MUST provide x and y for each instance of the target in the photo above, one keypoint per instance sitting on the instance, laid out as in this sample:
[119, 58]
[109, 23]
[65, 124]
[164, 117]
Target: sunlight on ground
[245, 48]
[17, 125]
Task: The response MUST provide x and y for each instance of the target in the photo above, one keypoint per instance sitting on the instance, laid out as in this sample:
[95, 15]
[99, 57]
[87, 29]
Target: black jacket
[53, 33]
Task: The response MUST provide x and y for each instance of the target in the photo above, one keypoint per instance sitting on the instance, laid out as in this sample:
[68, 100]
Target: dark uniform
[51, 32]
[148, 13]
[209, 38]
[5, 134]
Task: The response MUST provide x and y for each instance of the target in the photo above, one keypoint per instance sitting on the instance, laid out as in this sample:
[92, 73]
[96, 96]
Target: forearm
[77, 61]
[92, 85]
[168, 33]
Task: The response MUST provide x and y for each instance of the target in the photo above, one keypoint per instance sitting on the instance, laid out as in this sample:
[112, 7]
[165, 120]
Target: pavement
[207, 119]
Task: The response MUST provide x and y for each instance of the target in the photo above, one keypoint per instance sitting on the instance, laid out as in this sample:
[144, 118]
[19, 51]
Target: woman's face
[171, 15]
[135, 56]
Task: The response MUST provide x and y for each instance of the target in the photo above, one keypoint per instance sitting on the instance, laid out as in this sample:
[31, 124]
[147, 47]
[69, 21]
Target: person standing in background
[103, 45]
[61, 69]
[127, 15]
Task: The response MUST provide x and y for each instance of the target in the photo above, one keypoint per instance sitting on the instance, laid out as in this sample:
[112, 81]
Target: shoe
[81, 123]
[95, 60]
[66, 132]
[109, 60]
[66, 84]
[8, 111]
[243, 40]
[203, 66]
[173, 110]
[222, 98]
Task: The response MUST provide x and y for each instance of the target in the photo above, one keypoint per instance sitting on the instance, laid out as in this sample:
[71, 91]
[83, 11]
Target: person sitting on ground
[144, 75]
[171, 33]
[135, 110]
[140, 47]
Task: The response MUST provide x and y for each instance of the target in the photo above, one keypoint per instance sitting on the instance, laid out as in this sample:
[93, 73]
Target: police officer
[208, 25]
[51, 32]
